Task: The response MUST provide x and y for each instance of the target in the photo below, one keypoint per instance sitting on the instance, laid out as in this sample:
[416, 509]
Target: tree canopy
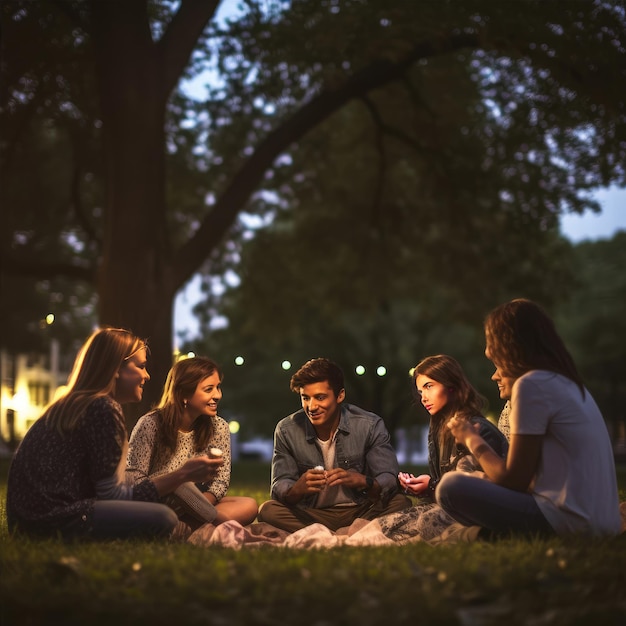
[595, 326]
[466, 120]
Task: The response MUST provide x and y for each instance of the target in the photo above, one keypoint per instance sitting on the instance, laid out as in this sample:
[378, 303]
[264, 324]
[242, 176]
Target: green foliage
[298, 301]
[595, 326]
[461, 129]
[50, 228]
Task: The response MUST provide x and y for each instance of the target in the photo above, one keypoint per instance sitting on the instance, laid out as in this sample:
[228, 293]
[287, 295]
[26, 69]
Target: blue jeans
[109, 519]
[478, 502]
[123, 519]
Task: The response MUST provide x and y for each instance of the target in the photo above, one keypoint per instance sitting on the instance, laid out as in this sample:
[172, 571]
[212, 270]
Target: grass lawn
[512, 582]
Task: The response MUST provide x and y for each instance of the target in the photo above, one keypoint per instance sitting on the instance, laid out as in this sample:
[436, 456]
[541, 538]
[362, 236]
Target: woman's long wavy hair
[182, 382]
[464, 400]
[97, 363]
[520, 336]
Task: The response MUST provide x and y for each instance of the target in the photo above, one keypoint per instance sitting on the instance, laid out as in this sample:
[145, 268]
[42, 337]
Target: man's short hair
[318, 371]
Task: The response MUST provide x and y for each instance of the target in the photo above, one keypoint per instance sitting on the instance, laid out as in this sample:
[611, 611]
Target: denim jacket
[363, 445]
[442, 461]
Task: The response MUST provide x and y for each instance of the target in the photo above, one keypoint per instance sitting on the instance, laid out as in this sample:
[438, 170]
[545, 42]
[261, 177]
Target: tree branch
[225, 211]
[181, 37]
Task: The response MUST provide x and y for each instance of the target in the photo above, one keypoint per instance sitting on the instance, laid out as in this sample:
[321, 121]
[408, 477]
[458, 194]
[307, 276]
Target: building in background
[28, 384]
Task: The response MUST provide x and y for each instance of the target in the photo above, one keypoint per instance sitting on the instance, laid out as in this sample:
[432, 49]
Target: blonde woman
[67, 476]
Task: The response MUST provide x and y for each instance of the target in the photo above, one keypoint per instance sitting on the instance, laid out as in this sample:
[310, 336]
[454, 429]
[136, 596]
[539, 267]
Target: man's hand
[354, 480]
[338, 476]
[312, 481]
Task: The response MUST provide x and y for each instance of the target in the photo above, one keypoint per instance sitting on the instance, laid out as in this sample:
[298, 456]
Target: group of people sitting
[546, 469]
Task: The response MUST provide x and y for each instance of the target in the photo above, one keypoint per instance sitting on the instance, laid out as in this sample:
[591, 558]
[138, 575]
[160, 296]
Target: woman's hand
[414, 485]
[462, 429]
[198, 469]
[201, 469]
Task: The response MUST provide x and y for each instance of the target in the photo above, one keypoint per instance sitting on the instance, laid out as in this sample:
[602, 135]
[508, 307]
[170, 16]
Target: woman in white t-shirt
[559, 474]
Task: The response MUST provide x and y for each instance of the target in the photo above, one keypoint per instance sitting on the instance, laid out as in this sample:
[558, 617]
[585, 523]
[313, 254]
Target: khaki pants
[292, 518]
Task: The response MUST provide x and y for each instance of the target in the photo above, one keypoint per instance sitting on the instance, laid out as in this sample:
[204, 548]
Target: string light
[286, 365]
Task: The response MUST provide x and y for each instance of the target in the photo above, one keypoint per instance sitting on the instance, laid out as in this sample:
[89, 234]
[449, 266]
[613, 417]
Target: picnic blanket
[232, 534]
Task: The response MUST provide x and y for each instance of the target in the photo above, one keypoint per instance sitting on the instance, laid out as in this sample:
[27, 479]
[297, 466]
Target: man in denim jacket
[332, 462]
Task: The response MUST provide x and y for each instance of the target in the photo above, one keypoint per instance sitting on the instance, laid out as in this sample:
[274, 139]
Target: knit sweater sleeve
[221, 439]
[104, 433]
[141, 446]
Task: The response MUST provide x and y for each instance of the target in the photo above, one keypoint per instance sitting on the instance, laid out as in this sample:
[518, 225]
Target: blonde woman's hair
[93, 375]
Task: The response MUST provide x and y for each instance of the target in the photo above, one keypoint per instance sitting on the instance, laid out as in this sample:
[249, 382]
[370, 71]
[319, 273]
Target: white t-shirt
[575, 486]
[331, 496]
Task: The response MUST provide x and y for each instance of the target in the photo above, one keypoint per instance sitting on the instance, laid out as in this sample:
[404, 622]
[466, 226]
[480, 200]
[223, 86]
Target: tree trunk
[136, 286]
[139, 273]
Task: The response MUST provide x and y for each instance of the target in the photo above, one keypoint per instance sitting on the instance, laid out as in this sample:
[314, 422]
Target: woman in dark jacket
[444, 390]
[67, 475]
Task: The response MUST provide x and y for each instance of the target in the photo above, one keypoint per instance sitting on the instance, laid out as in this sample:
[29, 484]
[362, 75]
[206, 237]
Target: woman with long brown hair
[559, 475]
[443, 389]
[186, 424]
